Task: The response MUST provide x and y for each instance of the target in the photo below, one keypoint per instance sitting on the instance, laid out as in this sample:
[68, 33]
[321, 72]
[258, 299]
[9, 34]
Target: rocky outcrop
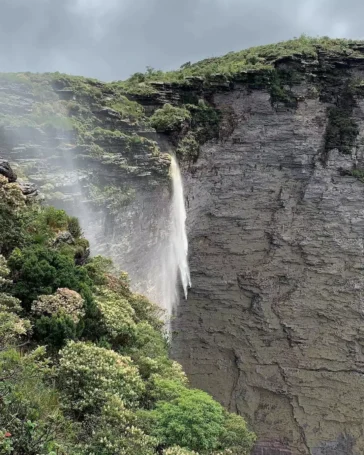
[6, 171]
[29, 190]
[273, 324]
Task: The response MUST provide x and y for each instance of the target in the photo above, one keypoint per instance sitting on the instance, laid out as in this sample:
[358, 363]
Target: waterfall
[179, 241]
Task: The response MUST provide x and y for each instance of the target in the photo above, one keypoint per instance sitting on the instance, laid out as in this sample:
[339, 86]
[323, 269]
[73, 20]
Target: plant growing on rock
[170, 118]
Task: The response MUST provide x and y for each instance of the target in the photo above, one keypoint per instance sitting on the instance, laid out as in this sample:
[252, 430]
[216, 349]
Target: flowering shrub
[115, 431]
[176, 450]
[89, 376]
[64, 301]
[117, 315]
[4, 271]
[11, 194]
[235, 436]
[11, 325]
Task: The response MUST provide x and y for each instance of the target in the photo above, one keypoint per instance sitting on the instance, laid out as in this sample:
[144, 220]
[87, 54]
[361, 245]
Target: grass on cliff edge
[255, 58]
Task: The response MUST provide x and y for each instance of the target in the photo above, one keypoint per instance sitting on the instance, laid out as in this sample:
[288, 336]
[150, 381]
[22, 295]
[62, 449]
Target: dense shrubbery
[169, 118]
[84, 361]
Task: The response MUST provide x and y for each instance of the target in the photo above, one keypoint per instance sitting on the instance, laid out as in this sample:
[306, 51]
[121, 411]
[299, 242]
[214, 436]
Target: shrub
[97, 268]
[4, 271]
[64, 301]
[38, 270]
[12, 226]
[235, 435]
[188, 149]
[74, 227]
[176, 450]
[57, 220]
[12, 327]
[145, 310]
[55, 331]
[31, 421]
[193, 420]
[117, 316]
[115, 431]
[89, 376]
[169, 118]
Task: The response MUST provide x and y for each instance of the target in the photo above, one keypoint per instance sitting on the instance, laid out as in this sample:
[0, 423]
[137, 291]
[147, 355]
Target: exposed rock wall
[274, 323]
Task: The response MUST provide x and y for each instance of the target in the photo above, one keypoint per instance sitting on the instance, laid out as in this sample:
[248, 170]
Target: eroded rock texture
[274, 323]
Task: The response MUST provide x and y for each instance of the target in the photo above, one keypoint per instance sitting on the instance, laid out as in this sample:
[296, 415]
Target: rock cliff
[273, 325]
[271, 142]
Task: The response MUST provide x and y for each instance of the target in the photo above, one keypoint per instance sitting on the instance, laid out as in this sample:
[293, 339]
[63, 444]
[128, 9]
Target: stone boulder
[28, 189]
[7, 171]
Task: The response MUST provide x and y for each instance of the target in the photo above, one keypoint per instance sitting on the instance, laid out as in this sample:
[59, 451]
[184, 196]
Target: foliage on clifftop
[234, 64]
[84, 361]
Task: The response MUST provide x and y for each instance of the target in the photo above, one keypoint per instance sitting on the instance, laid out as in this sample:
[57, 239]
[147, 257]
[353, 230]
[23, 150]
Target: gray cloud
[111, 39]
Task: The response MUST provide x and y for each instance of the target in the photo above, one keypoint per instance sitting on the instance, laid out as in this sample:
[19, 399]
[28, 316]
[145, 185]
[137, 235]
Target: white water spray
[169, 265]
[179, 241]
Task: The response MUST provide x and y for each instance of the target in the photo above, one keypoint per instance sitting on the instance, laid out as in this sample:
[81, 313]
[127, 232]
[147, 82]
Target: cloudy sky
[111, 39]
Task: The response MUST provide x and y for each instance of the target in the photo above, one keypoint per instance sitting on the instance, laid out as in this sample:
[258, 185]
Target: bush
[64, 301]
[193, 420]
[38, 270]
[169, 118]
[88, 376]
[13, 223]
[74, 227]
[115, 431]
[176, 450]
[236, 436]
[55, 331]
[188, 149]
[57, 220]
[31, 421]
[117, 316]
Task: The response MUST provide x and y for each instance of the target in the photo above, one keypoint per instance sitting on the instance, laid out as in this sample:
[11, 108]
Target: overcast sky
[111, 39]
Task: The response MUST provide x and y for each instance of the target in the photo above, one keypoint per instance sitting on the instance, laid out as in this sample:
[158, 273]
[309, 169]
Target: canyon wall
[273, 325]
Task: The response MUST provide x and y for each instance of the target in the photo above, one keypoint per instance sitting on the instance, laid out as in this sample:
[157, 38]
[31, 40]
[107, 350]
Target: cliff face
[272, 152]
[273, 324]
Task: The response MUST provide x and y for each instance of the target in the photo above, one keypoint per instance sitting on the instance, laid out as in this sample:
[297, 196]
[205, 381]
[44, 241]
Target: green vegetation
[169, 118]
[188, 148]
[342, 130]
[112, 197]
[236, 65]
[84, 361]
[358, 173]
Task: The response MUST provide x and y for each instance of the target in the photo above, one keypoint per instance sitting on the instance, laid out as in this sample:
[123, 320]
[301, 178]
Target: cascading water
[170, 267]
[179, 241]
